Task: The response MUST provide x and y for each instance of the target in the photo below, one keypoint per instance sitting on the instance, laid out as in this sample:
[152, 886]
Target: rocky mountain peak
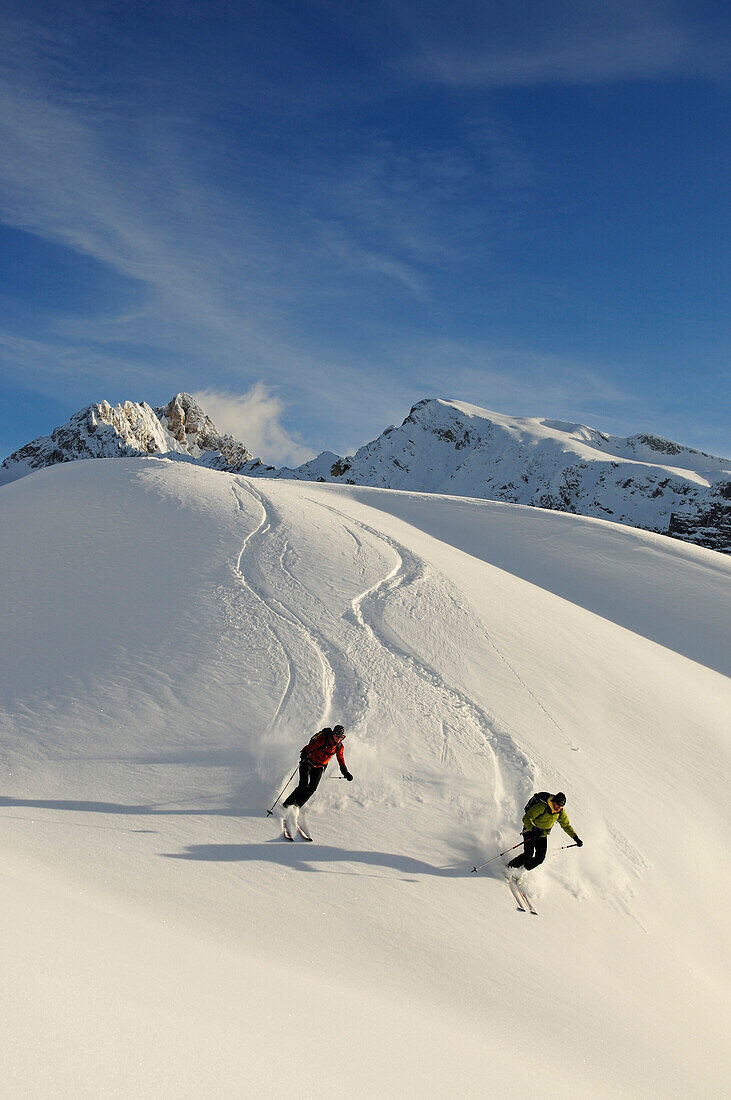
[131, 430]
[188, 424]
[192, 429]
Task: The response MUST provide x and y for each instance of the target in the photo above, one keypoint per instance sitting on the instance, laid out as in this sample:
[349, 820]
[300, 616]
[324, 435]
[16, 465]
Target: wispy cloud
[55, 366]
[118, 176]
[489, 44]
[517, 380]
[398, 209]
[255, 419]
[223, 274]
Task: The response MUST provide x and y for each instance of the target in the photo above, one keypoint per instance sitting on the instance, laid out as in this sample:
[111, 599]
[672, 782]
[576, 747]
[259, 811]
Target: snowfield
[171, 637]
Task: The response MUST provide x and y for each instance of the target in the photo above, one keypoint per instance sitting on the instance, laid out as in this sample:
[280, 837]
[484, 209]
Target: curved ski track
[282, 616]
[412, 571]
[259, 532]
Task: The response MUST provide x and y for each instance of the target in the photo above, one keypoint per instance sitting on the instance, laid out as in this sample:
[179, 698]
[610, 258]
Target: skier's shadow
[303, 857]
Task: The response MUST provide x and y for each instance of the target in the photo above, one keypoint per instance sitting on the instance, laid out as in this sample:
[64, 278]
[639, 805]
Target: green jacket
[540, 817]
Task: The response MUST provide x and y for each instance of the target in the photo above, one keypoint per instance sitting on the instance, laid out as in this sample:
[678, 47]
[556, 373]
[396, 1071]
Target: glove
[347, 775]
[578, 842]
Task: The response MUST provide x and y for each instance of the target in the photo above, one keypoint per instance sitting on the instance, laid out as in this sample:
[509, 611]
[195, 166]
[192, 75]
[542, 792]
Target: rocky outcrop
[98, 431]
[199, 437]
[180, 430]
[710, 527]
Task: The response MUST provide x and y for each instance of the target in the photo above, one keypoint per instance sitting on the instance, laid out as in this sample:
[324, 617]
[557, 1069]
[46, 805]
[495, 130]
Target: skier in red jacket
[314, 759]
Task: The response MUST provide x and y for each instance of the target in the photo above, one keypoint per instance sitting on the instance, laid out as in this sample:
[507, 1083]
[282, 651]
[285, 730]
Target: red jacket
[323, 746]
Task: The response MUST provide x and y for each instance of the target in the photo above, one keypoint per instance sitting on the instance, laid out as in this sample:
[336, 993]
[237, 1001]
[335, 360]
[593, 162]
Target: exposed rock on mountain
[178, 430]
[199, 437]
[712, 527]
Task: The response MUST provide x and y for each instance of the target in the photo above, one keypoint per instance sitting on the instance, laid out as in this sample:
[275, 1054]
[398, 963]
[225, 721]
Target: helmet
[559, 799]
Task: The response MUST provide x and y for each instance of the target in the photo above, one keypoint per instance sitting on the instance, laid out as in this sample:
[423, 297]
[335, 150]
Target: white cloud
[254, 418]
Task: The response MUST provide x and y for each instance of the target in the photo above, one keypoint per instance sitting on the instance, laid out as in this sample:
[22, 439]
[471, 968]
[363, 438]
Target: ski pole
[269, 812]
[498, 856]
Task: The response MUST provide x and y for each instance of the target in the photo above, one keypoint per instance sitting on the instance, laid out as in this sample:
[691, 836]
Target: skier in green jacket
[541, 814]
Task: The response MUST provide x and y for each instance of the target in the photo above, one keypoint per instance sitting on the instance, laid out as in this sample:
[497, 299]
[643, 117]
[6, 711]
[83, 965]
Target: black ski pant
[310, 777]
[534, 851]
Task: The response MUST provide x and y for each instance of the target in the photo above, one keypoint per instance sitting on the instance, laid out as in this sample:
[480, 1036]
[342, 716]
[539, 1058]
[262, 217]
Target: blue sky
[318, 213]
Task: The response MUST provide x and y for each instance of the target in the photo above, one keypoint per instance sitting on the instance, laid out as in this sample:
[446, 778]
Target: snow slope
[172, 636]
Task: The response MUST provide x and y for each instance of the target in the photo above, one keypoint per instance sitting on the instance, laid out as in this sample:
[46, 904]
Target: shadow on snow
[302, 857]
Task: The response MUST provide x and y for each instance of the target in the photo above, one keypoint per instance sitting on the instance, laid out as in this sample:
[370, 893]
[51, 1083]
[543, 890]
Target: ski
[516, 896]
[527, 900]
[302, 833]
[286, 832]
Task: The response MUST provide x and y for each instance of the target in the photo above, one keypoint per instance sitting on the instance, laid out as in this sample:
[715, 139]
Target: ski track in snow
[259, 533]
[514, 773]
[411, 571]
[342, 689]
[348, 686]
[281, 621]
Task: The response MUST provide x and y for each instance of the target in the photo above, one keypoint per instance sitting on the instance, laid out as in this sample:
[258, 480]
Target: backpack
[320, 741]
[321, 737]
[539, 796]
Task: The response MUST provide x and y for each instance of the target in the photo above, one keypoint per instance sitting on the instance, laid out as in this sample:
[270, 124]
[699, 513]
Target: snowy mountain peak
[129, 430]
[460, 449]
[644, 446]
